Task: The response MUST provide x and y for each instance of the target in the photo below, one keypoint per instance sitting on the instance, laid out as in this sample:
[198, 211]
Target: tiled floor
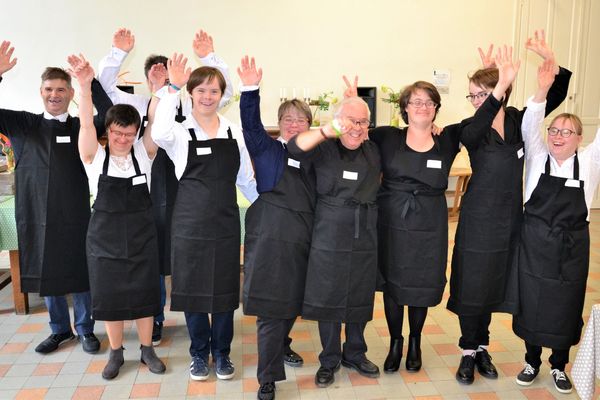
[72, 374]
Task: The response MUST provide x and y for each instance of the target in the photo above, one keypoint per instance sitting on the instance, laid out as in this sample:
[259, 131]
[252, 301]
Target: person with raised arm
[210, 158]
[52, 203]
[164, 181]
[121, 246]
[342, 266]
[553, 256]
[278, 229]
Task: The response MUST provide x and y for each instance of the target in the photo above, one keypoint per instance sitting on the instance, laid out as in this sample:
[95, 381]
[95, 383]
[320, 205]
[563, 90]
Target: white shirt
[94, 169]
[61, 117]
[174, 138]
[108, 72]
[536, 153]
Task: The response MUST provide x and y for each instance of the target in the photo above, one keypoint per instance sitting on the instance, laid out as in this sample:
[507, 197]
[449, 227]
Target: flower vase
[394, 116]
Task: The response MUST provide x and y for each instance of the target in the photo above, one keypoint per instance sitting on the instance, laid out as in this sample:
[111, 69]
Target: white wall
[308, 43]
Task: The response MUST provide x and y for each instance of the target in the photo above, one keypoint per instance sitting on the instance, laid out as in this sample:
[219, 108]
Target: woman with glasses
[413, 217]
[122, 250]
[553, 255]
[278, 229]
[482, 280]
[210, 159]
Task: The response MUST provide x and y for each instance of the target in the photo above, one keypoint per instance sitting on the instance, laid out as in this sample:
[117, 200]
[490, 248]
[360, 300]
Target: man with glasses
[342, 266]
[164, 182]
[53, 204]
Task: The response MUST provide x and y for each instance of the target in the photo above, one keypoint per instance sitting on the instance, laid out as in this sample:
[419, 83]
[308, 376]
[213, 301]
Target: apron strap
[136, 166]
[576, 168]
[144, 120]
[135, 163]
[229, 134]
[547, 166]
[193, 134]
[180, 117]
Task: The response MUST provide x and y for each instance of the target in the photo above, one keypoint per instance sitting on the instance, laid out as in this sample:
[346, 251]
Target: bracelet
[335, 124]
[174, 87]
[323, 133]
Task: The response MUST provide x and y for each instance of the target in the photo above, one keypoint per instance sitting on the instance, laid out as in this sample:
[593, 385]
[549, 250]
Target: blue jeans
[60, 320]
[160, 317]
[206, 339]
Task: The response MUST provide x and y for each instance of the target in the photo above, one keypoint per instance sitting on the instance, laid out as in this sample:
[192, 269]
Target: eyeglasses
[125, 135]
[360, 123]
[477, 96]
[419, 103]
[297, 121]
[563, 132]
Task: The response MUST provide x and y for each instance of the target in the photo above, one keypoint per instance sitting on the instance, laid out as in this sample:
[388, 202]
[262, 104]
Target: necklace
[124, 163]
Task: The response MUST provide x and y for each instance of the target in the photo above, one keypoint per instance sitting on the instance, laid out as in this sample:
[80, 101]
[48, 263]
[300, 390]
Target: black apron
[163, 190]
[122, 248]
[52, 210]
[206, 229]
[413, 225]
[342, 266]
[553, 262]
[278, 230]
[482, 279]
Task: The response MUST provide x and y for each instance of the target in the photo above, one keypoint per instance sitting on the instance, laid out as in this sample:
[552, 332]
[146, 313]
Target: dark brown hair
[123, 115]
[51, 73]
[408, 91]
[488, 78]
[205, 74]
[152, 60]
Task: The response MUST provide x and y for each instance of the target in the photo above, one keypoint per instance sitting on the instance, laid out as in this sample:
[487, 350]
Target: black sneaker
[89, 343]
[224, 368]
[266, 391]
[52, 342]
[291, 358]
[157, 333]
[561, 381]
[527, 375]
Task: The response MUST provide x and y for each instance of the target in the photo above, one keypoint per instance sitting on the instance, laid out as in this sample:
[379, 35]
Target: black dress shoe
[364, 367]
[266, 391]
[52, 342]
[291, 358]
[466, 370]
[392, 361]
[483, 360]
[326, 376]
[413, 356]
[89, 343]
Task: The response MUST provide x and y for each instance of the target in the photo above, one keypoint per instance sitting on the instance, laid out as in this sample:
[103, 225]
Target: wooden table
[463, 175]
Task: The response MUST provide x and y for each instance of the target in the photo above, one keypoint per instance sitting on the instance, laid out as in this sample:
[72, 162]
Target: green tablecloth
[8, 228]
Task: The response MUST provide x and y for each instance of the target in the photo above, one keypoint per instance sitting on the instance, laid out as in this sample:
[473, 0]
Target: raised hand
[80, 69]
[351, 89]
[203, 44]
[487, 59]
[248, 73]
[157, 76]
[546, 74]
[178, 73]
[124, 40]
[507, 68]
[538, 45]
[6, 52]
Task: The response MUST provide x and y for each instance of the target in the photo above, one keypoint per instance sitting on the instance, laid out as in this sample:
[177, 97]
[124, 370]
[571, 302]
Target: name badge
[352, 176]
[520, 153]
[63, 139]
[293, 163]
[145, 123]
[573, 183]
[138, 180]
[202, 151]
[434, 164]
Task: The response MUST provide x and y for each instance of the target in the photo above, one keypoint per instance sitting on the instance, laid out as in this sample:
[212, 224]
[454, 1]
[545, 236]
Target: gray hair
[350, 100]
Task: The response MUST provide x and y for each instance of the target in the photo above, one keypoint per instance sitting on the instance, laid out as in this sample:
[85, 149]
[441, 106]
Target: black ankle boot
[413, 356]
[392, 361]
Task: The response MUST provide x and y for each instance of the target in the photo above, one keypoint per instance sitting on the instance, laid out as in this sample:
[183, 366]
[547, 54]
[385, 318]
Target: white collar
[282, 140]
[61, 117]
[568, 163]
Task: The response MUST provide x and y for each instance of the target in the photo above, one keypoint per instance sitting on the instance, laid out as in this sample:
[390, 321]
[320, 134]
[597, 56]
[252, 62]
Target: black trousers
[210, 336]
[474, 330]
[354, 348]
[558, 359]
[272, 335]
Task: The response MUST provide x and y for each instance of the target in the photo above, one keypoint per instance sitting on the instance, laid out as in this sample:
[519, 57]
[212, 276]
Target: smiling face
[422, 115]
[56, 95]
[293, 121]
[121, 138]
[561, 147]
[479, 93]
[355, 116]
[206, 97]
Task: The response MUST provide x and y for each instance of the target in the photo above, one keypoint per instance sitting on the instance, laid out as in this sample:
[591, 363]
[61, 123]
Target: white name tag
[145, 123]
[573, 183]
[353, 176]
[434, 164]
[138, 180]
[202, 151]
[293, 163]
[63, 139]
[520, 153]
